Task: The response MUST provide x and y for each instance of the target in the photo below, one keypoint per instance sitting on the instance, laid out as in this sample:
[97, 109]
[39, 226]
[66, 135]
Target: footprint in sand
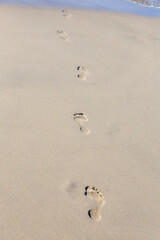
[63, 35]
[66, 14]
[80, 118]
[71, 188]
[95, 193]
[84, 73]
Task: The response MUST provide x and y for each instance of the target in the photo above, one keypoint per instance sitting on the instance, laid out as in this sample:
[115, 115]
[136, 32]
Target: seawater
[142, 7]
[147, 3]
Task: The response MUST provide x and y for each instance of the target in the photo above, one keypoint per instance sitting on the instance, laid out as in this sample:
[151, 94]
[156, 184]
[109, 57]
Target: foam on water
[147, 3]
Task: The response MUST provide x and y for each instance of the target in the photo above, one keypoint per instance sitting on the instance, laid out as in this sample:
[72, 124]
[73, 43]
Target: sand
[47, 159]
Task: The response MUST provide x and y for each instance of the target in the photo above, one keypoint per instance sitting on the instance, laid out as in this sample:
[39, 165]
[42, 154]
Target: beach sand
[103, 67]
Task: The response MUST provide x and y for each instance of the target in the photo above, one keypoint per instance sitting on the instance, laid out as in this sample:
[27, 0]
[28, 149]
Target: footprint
[79, 118]
[95, 193]
[82, 76]
[63, 35]
[66, 13]
[70, 187]
[84, 73]
[83, 69]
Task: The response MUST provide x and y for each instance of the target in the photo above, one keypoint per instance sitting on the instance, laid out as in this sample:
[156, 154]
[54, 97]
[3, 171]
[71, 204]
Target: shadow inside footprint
[89, 213]
[79, 68]
[86, 188]
[85, 193]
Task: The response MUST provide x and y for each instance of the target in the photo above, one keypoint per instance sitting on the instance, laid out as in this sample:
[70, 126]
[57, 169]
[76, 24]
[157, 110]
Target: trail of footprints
[63, 35]
[80, 118]
[95, 193]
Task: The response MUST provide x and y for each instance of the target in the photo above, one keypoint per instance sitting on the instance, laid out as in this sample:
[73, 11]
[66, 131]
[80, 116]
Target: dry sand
[46, 161]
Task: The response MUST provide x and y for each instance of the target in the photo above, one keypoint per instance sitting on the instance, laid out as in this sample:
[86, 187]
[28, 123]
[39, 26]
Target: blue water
[114, 5]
